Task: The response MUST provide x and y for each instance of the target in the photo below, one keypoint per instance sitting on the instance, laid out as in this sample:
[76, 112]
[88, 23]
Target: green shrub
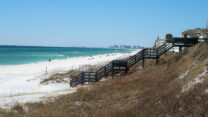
[169, 38]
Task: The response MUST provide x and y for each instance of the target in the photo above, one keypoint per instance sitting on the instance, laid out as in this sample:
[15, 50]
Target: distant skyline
[96, 23]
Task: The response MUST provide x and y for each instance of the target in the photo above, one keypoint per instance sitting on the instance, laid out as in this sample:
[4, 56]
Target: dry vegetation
[155, 91]
[65, 77]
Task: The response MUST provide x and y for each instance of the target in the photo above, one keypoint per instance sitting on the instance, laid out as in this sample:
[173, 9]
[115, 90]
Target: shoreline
[21, 83]
[64, 58]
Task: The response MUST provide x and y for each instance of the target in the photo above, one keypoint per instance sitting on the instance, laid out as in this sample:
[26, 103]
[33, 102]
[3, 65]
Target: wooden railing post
[70, 83]
[105, 73]
[180, 49]
[96, 78]
[112, 69]
[127, 69]
[173, 42]
[157, 56]
[82, 79]
[143, 58]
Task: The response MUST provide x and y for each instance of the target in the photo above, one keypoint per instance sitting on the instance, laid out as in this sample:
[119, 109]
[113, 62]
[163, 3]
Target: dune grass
[66, 76]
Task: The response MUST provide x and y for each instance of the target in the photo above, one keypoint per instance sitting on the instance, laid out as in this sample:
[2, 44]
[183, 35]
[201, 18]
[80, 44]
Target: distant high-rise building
[207, 25]
[125, 47]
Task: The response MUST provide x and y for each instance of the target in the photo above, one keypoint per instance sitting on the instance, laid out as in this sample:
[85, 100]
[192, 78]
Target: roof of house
[196, 31]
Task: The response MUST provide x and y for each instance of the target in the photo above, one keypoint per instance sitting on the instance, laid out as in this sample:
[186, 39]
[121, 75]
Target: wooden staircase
[124, 65]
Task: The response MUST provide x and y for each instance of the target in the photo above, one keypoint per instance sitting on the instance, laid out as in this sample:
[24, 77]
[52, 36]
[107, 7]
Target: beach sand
[21, 83]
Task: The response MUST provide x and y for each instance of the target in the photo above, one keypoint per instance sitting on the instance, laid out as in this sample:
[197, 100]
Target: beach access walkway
[125, 64]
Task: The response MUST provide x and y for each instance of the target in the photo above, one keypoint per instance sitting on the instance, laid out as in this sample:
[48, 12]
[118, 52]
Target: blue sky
[96, 23]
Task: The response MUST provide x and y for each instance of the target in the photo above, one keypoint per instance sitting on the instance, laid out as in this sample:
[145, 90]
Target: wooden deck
[124, 65]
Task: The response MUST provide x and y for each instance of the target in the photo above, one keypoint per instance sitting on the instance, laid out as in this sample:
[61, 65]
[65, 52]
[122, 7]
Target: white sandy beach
[21, 83]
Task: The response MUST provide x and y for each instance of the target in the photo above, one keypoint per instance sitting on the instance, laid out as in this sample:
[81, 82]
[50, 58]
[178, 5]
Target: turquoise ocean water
[17, 55]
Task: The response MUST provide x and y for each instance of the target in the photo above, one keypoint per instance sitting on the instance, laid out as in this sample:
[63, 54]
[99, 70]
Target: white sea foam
[21, 83]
